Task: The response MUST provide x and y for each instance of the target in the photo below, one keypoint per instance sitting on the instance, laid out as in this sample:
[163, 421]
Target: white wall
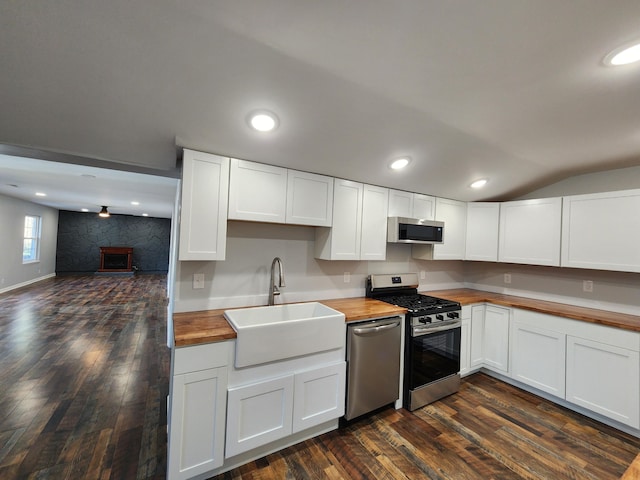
[616, 291]
[243, 278]
[13, 273]
[609, 181]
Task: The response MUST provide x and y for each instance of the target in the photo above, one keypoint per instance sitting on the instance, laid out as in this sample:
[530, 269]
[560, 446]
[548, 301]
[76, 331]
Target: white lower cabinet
[538, 356]
[258, 414]
[268, 410]
[495, 343]
[605, 379]
[197, 411]
[318, 396]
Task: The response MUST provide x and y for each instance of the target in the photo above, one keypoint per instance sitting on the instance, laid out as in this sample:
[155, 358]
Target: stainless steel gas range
[432, 338]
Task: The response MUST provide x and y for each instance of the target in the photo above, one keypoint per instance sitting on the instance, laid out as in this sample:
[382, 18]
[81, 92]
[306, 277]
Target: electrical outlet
[587, 286]
[347, 277]
[198, 280]
[423, 274]
[507, 278]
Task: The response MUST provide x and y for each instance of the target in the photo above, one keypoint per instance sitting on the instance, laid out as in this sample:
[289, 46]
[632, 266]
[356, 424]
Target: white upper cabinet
[602, 231]
[373, 244]
[424, 206]
[454, 215]
[257, 192]
[359, 230]
[309, 199]
[264, 193]
[483, 219]
[530, 231]
[342, 240]
[411, 205]
[203, 216]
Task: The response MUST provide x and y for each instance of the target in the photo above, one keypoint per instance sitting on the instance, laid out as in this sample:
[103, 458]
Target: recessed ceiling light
[263, 121]
[400, 163]
[84, 209]
[479, 183]
[135, 203]
[41, 194]
[145, 214]
[624, 55]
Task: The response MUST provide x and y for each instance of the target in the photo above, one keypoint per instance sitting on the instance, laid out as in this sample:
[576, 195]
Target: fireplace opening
[116, 259]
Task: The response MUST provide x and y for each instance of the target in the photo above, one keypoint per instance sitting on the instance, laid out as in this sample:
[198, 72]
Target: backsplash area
[243, 278]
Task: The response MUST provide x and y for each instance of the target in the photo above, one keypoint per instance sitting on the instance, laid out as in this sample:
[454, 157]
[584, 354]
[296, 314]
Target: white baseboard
[24, 284]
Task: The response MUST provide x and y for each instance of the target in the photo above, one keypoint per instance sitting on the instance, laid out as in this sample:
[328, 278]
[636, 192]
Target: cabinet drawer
[200, 357]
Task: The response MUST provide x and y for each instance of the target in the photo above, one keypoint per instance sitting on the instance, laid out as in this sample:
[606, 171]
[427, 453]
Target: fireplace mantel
[116, 259]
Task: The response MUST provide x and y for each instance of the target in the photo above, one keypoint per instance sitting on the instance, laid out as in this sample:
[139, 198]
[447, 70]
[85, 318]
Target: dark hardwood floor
[84, 374]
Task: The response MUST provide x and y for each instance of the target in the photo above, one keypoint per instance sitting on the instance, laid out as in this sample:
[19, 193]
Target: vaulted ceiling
[513, 91]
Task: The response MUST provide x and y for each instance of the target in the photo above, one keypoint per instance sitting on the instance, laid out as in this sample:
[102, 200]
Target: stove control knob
[453, 315]
[425, 320]
[439, 317]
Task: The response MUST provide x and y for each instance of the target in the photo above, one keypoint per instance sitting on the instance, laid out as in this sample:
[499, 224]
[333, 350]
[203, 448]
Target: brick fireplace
[116, 259]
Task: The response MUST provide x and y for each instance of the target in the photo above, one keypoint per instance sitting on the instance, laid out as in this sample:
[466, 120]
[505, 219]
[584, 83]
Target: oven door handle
[419, 331]
[376, 329]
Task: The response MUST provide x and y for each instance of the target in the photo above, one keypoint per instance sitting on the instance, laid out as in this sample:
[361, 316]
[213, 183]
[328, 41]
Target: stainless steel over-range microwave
[414, 230]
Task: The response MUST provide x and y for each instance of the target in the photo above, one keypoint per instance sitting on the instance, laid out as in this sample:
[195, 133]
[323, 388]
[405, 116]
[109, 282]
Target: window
[31, 245]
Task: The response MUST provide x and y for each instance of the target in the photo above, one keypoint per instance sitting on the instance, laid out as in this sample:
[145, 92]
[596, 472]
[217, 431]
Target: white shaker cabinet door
[309, 199]
[496, 338]
[483, 219]
[318, 396]
[196, 433]
[530, 231]
[538, 357]
[602, 231]
[342, 241]
[373, 244]
[424, 206]
[258, 414]
[257, 192]
[605, 379]
[203, 206]
[454, 215]
[400, 203]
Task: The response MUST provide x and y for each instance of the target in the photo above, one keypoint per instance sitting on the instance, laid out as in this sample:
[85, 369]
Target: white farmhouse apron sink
[278, 332]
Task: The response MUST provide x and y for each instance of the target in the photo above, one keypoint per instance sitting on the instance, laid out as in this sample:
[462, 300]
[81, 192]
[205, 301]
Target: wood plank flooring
[488, 430]
[84, 374]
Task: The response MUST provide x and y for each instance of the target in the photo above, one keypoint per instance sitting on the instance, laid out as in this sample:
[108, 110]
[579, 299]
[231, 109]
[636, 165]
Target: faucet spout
[273, 288]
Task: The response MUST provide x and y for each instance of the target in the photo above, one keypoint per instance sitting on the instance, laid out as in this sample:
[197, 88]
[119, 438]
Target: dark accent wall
[80, 236]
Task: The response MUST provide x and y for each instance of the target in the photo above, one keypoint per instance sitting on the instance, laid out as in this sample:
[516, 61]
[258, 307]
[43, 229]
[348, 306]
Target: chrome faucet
[273, 288]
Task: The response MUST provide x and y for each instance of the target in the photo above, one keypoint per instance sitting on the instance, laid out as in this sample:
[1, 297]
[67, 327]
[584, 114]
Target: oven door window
[433, 357]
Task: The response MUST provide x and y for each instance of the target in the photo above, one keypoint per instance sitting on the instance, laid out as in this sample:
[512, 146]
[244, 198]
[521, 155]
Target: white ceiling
[512, 90]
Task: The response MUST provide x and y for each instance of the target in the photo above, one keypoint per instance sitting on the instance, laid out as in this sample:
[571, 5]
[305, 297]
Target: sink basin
[268, 334]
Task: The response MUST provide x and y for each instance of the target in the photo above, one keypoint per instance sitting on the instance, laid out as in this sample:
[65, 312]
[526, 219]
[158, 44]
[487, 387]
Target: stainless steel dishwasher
[373, 365]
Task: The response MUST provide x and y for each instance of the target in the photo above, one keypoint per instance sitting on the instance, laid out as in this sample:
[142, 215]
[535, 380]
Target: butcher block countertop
[192, 328]
[467, 296]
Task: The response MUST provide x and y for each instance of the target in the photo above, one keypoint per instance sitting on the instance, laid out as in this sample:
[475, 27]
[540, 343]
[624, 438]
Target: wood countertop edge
[209, 326]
